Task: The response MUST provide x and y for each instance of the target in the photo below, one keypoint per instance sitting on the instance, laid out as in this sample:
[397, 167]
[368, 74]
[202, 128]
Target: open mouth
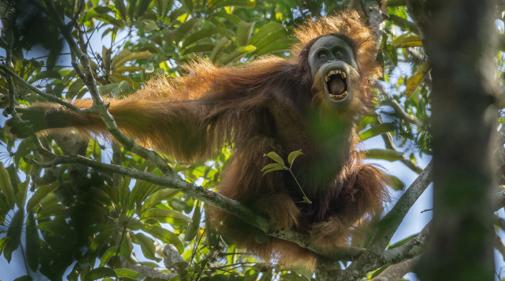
[336, 84]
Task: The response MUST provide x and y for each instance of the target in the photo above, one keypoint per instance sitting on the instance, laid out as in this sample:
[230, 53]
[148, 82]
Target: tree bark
[459, 40]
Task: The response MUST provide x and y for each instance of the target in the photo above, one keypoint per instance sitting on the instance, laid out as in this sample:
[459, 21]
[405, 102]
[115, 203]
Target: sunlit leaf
[293, 155]
[415, 80]
[376, 130]
[214, 4]
[276, 157]
[384, 154]
[407, 40]
[394, 182]
[272, 167]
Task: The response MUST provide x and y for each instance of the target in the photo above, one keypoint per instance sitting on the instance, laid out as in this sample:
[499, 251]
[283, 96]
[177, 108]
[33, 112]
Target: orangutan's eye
[322, 55]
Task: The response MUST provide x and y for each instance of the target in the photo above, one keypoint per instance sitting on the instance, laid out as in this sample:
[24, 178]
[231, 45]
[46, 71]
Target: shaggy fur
[267, 105]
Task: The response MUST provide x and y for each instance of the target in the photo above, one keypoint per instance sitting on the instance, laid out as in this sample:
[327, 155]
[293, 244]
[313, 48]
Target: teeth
[335, 72]
[341, 96]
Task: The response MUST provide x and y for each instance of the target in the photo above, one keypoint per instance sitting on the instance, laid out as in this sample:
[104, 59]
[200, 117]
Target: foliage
[79, 223]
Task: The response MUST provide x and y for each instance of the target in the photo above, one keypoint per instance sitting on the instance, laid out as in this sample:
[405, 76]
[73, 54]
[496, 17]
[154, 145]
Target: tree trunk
[459, 40]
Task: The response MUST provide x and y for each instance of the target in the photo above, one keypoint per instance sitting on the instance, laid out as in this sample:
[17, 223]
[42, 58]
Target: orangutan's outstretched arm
[183, 129]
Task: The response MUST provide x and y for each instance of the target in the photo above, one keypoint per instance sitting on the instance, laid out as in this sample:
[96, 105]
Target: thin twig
[49, 97]
[404, 115]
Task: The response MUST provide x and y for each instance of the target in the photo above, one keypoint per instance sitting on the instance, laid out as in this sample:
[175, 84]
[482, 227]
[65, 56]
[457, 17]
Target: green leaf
[376, 130]
[6, 187]
[236, 3]
[40, 193]
[244, 32]
[268, 31]
[274, 156]
[146, 245]
[203, 33]
[192, 229]
[3, 242]
[127, 273]
[188, 4]
[160, 214]
[233, 19]
[164, 235]
[142, 7]
[32, 243]
[415, 80]
[163, 6]
[109, 253]
[394, 182]
[126, 56]
[293, 155]
[199, 47]
[384, 154]
[24, 148]
[407, 40]
[279, 45]
[75, 87]
[22, 191]
[99, 273]
[218, 48]
[102, 10]
[14, 234]
[272, 167]
[120, 6]
[141, 191]
[157, 197]
[131, 8]
[183, 30]
[237, 54]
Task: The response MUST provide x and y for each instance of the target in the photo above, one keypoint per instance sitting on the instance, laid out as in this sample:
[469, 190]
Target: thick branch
[397, 271]
[370, 261]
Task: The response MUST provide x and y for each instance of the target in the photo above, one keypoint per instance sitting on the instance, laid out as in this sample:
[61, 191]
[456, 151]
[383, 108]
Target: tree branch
[99, 105]
[396, 271]
[233, 207]
[370, 261]
[384, 230]
[8, 72]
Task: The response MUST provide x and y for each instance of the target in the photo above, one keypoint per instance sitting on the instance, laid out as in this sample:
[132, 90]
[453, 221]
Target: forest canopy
[76, 206]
